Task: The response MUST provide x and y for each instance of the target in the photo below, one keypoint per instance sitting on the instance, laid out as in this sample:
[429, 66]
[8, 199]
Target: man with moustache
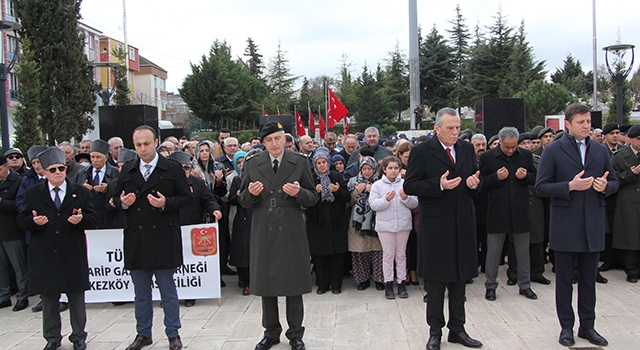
[277, 184]
[577, 175]
[443, 173]
[115, 144]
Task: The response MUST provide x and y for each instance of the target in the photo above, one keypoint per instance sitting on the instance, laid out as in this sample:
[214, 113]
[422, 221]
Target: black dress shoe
[336, 290]
[601, 279]
[424, 298]
[222, 284]
[470, 281]
[139, 342]
[464, 339]
[51, 346]
[364, 285]
[189, 302]
[434, 342]
[605, 267]
[380, 286]
[512, 281]
[321, 291]
[38, 307]
[528, 293]
[267, 343]
[296, 344]
[592, 336]
[630, 279]
[175, 343]
[63, 307]
[541, 280]
[5, 303]
[21, 305]
[566, 337]
[490, 294]
[79, 345]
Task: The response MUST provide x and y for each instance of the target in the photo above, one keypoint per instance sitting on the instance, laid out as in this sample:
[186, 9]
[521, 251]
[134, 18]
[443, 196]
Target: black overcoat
[100, 200]
[152, 237]
[327, 222]
[203, 202]
[9, 228]
[447, 248]
[241, 235]
[509, 199]
[58, 249]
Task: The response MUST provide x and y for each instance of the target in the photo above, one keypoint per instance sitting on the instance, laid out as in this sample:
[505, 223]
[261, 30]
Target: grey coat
[279, 257]
[626, 225]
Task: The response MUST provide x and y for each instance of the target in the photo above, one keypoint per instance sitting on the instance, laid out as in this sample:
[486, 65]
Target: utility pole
[414, 62]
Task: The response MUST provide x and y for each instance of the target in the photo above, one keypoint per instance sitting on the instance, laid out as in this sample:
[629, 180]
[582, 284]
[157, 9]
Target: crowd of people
[386, 210]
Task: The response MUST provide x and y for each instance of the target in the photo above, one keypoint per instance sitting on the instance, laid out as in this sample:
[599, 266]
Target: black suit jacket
[99, 199]
[152, 236]
[204, 201]
[9, 229]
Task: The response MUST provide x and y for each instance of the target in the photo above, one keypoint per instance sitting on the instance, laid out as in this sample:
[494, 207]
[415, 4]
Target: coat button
[279, 228]
[270, 209]
[153, 226]
[138, 209]
[139, 226]
[58, 214]
[57, 231]
[280, 191]
[55, 250]
[270, 229]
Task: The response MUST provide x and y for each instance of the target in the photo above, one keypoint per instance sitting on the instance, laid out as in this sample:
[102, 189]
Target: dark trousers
[587, 268]
[631, 258]
[329, 270]
[271, 318]
[412, 251]
[51, 323]
[243, 276]
[435, 306]
[481, 231]
[13, 258]
[536, 258]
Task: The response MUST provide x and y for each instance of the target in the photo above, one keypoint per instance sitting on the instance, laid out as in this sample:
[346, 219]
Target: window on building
[132, 54]
[10, 8]
[13, 86]
[92, 42]
[12, 47]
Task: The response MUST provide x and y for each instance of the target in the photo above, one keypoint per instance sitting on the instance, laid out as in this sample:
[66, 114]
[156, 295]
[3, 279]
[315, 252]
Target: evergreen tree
[121, 84]
[303, 98]
[66, 78]
[396, 85]
[26, 118]
[220, 89]
[523, 69]
[459, 36]
[437, 74]
[542, 98]
[572, 77]
[345, 84]
[370, 103]
[280, 82]
[256, 66]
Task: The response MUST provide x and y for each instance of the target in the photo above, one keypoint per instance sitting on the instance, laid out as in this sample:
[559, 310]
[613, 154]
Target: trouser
[51, 323]
[536, 257]
[495, 242]
[587, 266]
[412, 251]
[631, 258]
[271, 318]
[13, 253]
[142, 283]
[394, 246]
[243, 276]
[367, 265]
[435, 306]
[329, 270]
[481, 232]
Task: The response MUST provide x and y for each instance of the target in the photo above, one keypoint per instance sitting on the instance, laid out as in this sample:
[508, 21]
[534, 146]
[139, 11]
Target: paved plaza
[352, 320]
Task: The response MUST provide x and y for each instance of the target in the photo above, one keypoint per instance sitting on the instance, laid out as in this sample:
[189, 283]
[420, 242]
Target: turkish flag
[299, 124]
[312, 123]
[331, 122]
[265, 112]
[322, 127]
[346, 126]
[337, 110]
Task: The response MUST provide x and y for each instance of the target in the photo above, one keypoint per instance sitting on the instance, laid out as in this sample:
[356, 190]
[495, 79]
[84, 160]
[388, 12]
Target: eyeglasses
[60, 169]
[14, 157]
[186, 167]
[231, 145]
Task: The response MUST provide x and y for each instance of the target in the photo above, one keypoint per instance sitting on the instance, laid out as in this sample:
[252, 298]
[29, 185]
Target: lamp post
[620, 74]
[4, 70]
[106, 93]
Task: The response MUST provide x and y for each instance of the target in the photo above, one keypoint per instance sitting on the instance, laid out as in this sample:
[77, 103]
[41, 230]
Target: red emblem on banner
[203, 241]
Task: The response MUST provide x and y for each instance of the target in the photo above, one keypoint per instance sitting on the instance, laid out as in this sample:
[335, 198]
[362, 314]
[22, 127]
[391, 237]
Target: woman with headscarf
[327, 225]
[208, 170]
[240, 224]
[364, 244]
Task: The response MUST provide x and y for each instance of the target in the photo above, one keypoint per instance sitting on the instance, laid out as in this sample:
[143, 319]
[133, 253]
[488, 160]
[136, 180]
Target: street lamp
[4, 70]
[106, 93]
[619, 75]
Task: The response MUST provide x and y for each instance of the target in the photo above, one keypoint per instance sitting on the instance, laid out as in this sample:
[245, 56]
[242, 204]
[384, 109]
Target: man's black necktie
[275, 165]
[56, 199]
[638, 155]
[96, 179]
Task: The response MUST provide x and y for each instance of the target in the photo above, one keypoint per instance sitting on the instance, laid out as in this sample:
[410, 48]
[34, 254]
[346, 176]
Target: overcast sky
[315, 34]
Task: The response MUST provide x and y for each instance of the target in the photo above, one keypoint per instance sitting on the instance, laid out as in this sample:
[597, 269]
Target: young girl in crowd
[364, 245]
[393, 223]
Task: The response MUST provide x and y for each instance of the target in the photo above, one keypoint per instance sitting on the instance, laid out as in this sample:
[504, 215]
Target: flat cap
[13, 151]
[609, 127]
[52, 155]
[269, 128]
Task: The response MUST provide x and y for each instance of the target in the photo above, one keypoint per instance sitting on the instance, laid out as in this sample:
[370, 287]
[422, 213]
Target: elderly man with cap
[32, 176]
[12, 240]
[58, 212]
[96, 177]
[114, 218]
[277, 184]
[16, 162]
[626, 237]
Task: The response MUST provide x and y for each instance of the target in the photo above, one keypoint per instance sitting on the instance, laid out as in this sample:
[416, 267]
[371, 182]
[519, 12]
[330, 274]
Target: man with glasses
[58, 212]
[230, 145]
[16, 162]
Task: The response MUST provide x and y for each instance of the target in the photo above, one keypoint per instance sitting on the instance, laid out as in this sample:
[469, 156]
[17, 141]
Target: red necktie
[450, 156]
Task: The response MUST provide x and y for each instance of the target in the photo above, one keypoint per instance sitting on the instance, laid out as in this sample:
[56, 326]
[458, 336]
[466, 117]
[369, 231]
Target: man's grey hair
[114, 139]
[372, 129]
[478, 137]
[442, 112]
[66, 143]
[597, 130]
[230, 139]
[508, 132]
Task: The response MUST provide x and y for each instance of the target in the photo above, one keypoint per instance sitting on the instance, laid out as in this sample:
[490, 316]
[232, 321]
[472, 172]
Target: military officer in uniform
[278, 184]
